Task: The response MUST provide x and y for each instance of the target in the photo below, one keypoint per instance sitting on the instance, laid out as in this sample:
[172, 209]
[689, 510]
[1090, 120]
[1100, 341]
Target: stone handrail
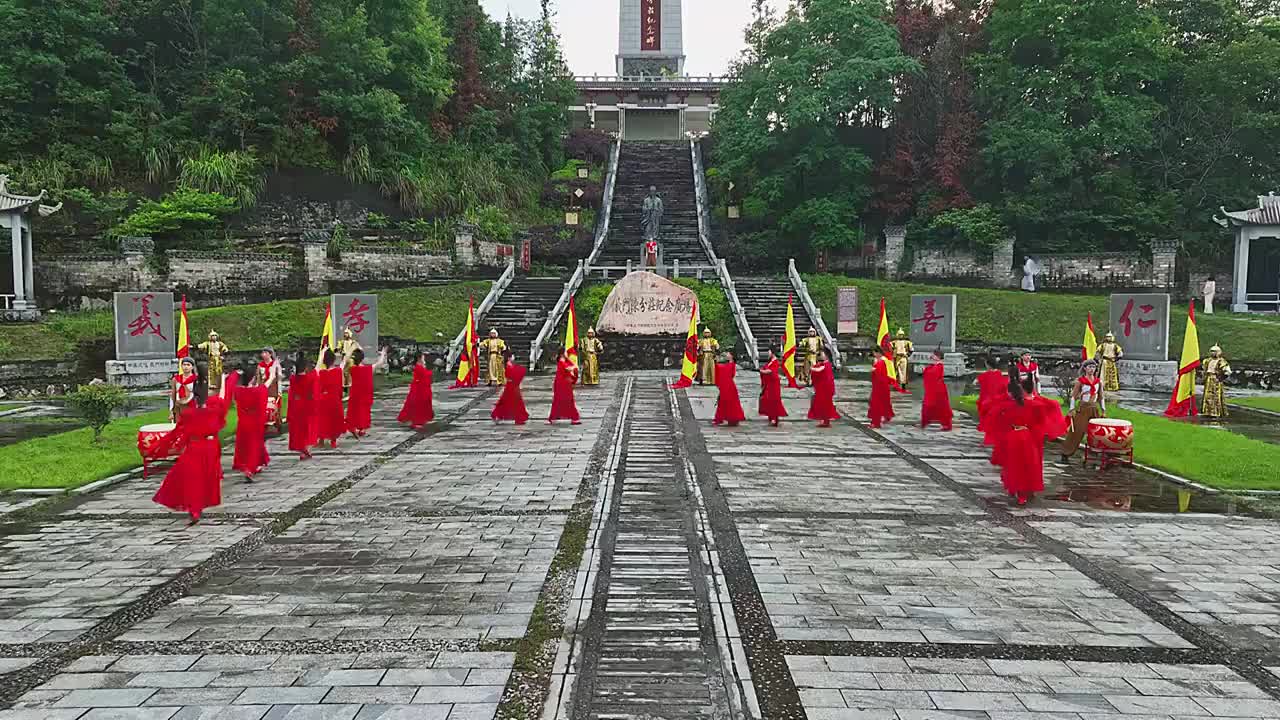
[606, 203]
[562, 304]
[722, 268]
[815, 313]
[495, 293]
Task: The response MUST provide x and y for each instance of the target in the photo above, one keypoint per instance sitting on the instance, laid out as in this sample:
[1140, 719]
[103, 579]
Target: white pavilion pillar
[1240, 280]
[19, 264]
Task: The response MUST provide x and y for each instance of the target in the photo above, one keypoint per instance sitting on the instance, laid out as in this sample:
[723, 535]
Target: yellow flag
[789, 346]
[326, 335]
[1089, 348]
[882, 339]
[689, 365]
[1183, 402]
[469, 360]
[184, 337]
[571, 335]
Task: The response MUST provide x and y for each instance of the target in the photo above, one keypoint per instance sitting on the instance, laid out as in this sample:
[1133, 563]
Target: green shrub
[181, 210]
[96, 404]
[494, 223]
[978, 227]
[377, 221]
[236, 174]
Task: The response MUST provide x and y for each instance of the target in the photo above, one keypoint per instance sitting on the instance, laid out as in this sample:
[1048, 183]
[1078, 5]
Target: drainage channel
[650, 643]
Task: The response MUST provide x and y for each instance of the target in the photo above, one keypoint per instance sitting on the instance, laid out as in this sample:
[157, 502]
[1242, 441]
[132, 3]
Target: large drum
[149, 437]
[1110, 440]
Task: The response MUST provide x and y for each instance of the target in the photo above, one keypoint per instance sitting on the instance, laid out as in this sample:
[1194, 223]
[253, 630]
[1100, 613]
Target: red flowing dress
[251, 430]
[936, 407]
[417, 410]
[562, 405]
[992, 385]
[880, 409]
[728, 403]
[360, 399]
[301, 412]
[1021, 430]
[823, 405]
[329, 421]
[771, 392]
[195, 480]
[510, 405]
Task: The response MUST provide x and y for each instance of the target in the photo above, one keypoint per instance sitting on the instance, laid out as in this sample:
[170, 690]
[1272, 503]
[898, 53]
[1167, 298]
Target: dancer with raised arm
[302, 407]
[417, 410]
[771, 405]
[194, 483]
[510, 405]
[822, 407]
[562, 405]
[728, 402]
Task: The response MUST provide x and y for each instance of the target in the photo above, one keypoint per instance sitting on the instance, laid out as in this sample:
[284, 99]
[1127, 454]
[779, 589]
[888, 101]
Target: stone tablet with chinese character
[644, 303]
[145, 326]
[847, 311]
[1140, 322]
[360, 313]
[933, 322]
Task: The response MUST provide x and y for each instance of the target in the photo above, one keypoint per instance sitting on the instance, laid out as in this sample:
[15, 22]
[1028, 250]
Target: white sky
[589, 29]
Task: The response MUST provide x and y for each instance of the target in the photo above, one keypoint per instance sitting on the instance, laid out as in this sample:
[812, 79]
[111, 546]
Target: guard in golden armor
[902, 348]
[1109, 353]
[591, 350]
[1216, 370]
[810, 349]
[214, 349]
[348, 347]
[708, 347]
[493, 347]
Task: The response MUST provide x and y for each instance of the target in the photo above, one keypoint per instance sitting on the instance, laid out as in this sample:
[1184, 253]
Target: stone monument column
[650, 38]
[895, 245]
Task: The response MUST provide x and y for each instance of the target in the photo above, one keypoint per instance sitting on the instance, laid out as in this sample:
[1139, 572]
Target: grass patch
[1014, 317]
[425, 314]
[1259, 403]
[1208, 455]
[71, 459]
[5, 407]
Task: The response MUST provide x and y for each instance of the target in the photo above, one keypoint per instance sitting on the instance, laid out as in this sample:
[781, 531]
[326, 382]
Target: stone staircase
[668, 167]
[519, 314]
[765, 302]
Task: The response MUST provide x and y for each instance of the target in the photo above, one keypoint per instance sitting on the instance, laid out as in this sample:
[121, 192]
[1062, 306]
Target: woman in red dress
[880, 409]
[180, 396]
[936, 407]
[360, 396]
[510, 405]
[302, 407]
[728, 403]
[329, 421]
[562, 405]
[1022, 424]
[195, 480]
[992, 385]
[823, 381]
[771, 390]
[417, 410]
[251, 425]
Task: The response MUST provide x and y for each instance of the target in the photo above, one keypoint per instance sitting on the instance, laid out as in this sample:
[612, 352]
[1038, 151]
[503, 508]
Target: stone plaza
[643, 564]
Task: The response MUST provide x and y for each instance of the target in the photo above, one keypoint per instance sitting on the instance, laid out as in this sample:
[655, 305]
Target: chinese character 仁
[1127, 321]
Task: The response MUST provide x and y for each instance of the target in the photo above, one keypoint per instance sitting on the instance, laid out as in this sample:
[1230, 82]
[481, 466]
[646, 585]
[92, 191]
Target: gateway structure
[650, 98]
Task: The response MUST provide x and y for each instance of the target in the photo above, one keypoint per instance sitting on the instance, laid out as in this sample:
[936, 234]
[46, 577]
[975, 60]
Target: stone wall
[218, 278]
[632, 352]
[1062, 271]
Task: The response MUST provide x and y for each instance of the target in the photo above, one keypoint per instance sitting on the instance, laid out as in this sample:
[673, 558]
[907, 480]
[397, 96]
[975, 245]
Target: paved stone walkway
[643, 564]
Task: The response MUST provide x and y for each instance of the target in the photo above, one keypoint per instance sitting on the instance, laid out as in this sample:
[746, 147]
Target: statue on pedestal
[651, 215]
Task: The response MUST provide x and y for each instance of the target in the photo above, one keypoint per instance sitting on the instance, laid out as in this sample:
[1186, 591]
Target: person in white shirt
[1209, 290]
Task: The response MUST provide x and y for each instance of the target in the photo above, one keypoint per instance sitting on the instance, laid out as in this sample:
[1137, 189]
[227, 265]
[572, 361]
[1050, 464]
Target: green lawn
[1018, 318]
[8, 406]
[1260, 403]
[71, 459]
[1207, 455]
[412, 313]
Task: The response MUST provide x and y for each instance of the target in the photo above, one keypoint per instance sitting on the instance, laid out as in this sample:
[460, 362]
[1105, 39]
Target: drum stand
[1106, 457]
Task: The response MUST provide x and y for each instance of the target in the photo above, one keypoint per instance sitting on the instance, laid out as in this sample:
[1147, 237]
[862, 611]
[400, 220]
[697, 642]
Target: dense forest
[153, 115]
[1076, 124]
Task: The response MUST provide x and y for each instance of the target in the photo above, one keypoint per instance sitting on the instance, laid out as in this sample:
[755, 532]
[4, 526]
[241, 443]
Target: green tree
[798, 132]
[1067, 89]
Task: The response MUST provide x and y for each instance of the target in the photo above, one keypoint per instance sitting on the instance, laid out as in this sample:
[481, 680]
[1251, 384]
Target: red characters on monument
[354, 316]
[144, 323]
[1126, 318]
[931, 316]
[650, 24]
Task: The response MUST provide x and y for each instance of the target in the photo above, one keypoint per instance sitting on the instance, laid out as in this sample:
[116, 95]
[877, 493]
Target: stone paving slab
[1223, 576]
[508, 482]
[59, 579]
[460, 685]
[890, 581]
[944, 689]
[763, 485]
[372, 578]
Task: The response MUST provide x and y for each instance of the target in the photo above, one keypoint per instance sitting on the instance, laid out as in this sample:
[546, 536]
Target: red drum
[1110, 440]
[149, 437]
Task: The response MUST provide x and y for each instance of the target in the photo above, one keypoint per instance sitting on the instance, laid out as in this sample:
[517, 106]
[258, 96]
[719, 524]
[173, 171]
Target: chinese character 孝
[1126, 318]
[144, 323]
[931, 317]
[354, 316]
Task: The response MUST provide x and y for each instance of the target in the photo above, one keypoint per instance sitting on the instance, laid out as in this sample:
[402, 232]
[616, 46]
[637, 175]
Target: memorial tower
[650, 38]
